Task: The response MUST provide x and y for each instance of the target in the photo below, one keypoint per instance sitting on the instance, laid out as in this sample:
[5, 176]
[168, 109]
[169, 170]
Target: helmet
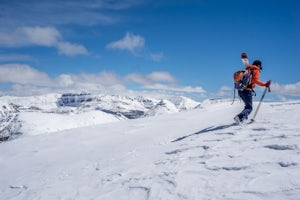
[257, 63]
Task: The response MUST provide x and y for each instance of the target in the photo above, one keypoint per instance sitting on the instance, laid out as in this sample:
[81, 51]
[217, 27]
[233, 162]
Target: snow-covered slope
[163, 107]
[185, 155]
[43, 102]
[184, 103]
[35, 123]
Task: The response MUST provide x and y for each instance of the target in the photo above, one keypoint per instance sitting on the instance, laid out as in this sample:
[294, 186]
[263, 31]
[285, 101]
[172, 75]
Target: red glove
[268, 83]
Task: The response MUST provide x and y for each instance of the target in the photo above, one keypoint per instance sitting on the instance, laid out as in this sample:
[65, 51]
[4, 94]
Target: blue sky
[152, 47]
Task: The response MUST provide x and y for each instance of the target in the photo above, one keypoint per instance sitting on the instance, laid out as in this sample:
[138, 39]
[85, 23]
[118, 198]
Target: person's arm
[255, 78]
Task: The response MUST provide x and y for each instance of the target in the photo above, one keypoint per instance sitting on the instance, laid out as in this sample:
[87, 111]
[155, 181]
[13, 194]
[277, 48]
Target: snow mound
[36, 123]
[163, 107]
[183, 103]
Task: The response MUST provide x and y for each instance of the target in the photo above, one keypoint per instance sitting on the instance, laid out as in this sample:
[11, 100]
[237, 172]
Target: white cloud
[29, 81]
[130, 42]
[15, 57]
[9, 39]
[41, 36]
[104, 78]
[26, 80]
[288, 89]
[22, 74]
[150, 78]
[26, 36]
[161, 77]
[277, 90]
[135, 44]
[65, 80]
[26, 90]
[89, 82]
[185, 89]
[157, 57]
[87, 13]
[225, 91]
[162, 81]
[69, 49]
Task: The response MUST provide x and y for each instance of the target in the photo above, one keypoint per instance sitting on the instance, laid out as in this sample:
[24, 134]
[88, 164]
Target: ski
[245, 59]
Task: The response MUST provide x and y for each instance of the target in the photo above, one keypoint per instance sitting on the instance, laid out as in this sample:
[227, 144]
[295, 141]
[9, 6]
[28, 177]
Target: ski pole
[261, 99]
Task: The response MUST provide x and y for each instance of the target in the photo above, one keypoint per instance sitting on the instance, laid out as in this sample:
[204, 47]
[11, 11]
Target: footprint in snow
[18, 187]
[177, 151]
[281, 147]
[287, 164]
[139, 192]
[234, 168]
[225, 133]
[259, 129]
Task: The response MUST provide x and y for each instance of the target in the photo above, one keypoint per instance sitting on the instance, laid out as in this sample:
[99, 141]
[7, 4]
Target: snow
[163, 107]
[35, 123]
[46, 102]
[35, 115]
[142, 158]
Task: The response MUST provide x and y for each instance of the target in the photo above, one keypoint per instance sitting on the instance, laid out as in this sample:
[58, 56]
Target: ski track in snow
[141, 159]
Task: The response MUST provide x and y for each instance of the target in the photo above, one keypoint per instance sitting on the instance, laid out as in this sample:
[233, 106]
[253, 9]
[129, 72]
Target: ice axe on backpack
[261, 99]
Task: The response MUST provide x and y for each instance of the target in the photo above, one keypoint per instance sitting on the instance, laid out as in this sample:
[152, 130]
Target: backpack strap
[250, 86]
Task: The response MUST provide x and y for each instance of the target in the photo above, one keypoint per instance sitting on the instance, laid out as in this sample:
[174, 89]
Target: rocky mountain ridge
[79, 104]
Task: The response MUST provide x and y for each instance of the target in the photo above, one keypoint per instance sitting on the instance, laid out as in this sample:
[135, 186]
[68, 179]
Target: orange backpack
[242, 79]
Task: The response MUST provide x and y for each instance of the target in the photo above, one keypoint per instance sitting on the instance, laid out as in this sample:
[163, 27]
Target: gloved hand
[268, 83]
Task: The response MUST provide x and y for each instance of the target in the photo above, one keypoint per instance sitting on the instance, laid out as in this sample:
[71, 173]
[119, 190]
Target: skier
[246, 94]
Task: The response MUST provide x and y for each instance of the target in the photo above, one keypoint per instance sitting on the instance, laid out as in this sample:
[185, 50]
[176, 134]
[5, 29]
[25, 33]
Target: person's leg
[246, 96]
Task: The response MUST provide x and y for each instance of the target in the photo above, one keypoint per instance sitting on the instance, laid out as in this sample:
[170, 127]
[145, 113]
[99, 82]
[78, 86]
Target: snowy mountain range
[198, 154]
[39, 114]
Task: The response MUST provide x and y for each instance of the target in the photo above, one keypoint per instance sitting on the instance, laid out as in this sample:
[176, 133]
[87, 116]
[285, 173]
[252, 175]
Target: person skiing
[246, 94]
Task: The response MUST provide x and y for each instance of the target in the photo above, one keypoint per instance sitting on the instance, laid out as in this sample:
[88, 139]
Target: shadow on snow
[209, 129]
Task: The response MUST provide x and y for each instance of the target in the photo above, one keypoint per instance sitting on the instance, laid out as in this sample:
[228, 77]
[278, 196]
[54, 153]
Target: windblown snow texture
[136, 159]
